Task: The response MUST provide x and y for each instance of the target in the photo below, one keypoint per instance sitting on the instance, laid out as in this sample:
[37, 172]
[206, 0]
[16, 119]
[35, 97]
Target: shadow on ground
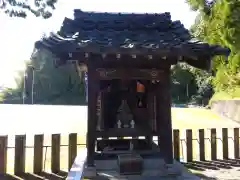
[201, 166]
[29, 176]
[212, 165]
[204, 177]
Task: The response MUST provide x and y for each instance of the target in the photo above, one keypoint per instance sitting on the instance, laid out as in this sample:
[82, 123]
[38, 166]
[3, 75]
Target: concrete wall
[228, 108]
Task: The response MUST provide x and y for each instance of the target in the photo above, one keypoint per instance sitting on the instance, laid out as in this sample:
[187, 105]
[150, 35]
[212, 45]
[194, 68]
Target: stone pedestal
[130, 164]
[173, 169]
[89, 172]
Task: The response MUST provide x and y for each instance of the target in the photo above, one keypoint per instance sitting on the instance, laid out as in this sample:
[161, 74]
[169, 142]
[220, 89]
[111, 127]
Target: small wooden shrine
[128, 59]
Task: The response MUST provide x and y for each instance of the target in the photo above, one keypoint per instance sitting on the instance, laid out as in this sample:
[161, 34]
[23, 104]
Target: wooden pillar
[92, 115]
[102, 110]
[151, 116]
[163, 118]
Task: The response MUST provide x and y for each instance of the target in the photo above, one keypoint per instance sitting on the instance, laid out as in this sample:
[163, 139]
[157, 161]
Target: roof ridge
[79, 11]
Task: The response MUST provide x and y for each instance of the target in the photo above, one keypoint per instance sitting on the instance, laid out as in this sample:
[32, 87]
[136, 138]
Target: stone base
[173, 169]
[89, 172]
[153, 169]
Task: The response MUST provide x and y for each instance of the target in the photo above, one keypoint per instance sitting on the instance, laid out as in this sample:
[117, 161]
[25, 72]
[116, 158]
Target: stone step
[153, 169]
[130, 164]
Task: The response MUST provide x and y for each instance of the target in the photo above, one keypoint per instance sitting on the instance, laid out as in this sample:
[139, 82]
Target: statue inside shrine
[124, 116]
[121, 100]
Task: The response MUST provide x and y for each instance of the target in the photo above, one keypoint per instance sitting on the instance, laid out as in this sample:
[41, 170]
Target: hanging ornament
[140, 91]
[140, 87]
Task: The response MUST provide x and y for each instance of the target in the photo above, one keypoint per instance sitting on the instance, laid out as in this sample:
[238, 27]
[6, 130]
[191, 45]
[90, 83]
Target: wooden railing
[39, 157]
[212, 139]
[185, 147]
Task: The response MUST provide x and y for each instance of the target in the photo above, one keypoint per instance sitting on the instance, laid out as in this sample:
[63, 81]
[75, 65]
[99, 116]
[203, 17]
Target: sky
[17, 36]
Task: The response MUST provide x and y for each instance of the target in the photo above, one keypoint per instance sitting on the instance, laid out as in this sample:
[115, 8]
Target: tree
[218, 22]
[183, 83]
[20, 8]
[46, 83]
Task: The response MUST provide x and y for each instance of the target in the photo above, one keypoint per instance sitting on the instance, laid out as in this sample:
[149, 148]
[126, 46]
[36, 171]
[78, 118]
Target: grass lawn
[59, 119]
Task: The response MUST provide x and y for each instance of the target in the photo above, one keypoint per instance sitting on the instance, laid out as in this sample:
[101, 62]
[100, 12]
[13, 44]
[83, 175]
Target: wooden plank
[201, 145]
[132, 73]
[3, 154]
[189, 145]
[225, 143]
[163, 118]
[72, 149]
[149, 139]
[20, 154]
[124, 132]
[38, 154]
[93, 88]
[213, 140]
[55, 158]
[176, 144]
[236, 143]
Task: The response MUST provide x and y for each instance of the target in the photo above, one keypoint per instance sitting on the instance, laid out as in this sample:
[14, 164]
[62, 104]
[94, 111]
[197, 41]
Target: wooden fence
[38, 153]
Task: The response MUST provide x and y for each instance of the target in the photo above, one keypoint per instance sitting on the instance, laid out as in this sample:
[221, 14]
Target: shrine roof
[152, 34]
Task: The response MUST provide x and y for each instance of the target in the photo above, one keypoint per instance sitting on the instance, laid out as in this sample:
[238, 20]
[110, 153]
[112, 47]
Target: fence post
[38, 154]
[213, 144]
[72, 149]
[55, 153]
[236, 143]
[176, 144]
[201, 144]
[189, 145]
[3, 154]
[225, 142]
[20, 154]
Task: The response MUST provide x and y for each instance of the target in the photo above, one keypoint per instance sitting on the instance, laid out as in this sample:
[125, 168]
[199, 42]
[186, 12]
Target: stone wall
[228, 108]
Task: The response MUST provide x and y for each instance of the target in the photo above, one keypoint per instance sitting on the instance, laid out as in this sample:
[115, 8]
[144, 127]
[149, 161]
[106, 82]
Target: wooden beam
[38, 154]
[121, 60]
[163, 118]
[3, 154]
[129, 74]
[20, 154]
[152, 120]
[93, 87]
[151, 110]
[128, 132]
[55, 153]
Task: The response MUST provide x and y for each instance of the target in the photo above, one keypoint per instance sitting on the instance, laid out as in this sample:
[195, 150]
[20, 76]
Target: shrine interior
[125, 105]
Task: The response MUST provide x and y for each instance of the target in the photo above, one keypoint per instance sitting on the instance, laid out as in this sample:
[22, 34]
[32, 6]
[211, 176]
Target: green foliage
[201, 5]
[190, 84]
[51, 85]
[20, 8]
[218, 22]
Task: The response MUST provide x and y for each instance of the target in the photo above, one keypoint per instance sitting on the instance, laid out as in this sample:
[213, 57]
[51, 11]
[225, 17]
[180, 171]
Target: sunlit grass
[198, 118]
